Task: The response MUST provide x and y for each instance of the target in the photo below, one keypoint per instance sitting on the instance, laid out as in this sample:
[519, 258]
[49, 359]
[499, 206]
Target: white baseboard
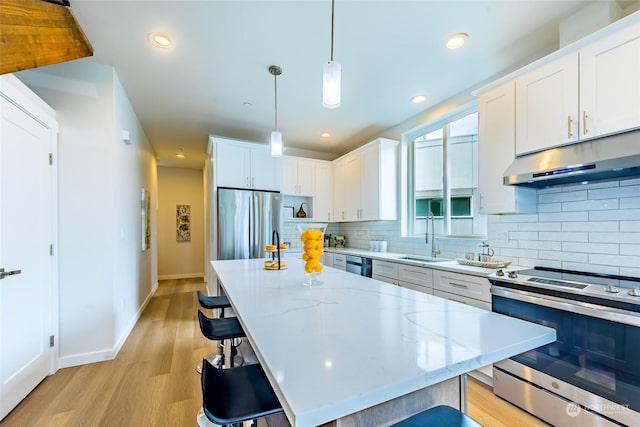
[85, 358]
[180, 276]
[103, 355]
[132, 323]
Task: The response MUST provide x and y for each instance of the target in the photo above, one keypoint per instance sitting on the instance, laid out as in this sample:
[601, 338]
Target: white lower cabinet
[385, 271]
[340, 261]
[327, 258]
[408, 276]
[467, 289]
[416, 278]
[464, 288]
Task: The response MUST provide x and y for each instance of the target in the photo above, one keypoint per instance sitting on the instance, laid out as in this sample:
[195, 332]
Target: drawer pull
[458, 285]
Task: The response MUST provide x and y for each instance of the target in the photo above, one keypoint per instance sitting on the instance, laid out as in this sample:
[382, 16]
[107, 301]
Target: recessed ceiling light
[180, 153]
[456, 40]
[160, 40]
[418, 99]
[325, 134]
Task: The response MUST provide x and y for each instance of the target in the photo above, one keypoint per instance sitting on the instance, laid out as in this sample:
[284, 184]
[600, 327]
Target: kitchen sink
[422, 258]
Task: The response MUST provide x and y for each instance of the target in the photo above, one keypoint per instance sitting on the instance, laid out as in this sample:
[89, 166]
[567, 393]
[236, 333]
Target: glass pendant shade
[276, 144]
[331, 84]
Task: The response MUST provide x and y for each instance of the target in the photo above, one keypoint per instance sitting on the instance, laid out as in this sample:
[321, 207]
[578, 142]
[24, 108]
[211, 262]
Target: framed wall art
[183, 223]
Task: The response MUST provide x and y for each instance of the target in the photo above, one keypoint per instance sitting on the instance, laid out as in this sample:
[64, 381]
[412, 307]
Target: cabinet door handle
[252, 181]
[569, 127]
[246, 181]
[584, 122]
[458, 285]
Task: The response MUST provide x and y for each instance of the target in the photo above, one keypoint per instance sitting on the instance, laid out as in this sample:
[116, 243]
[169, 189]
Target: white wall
[180, 186]
[104, 278]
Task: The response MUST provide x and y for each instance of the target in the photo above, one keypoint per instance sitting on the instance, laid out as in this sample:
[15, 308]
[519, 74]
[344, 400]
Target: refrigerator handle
[253, 227]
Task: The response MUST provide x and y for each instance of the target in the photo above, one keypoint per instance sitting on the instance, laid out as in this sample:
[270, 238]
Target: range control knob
[513, 274]
[611, 289]
[500, 273]
[635, 292]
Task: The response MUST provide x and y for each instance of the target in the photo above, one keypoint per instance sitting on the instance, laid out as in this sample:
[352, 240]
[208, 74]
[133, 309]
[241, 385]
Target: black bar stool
[236, 395]
[214, 303]
[441, 416]
[226, 328]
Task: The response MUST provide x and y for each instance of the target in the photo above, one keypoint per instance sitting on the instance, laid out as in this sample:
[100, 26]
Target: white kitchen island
[361, 351]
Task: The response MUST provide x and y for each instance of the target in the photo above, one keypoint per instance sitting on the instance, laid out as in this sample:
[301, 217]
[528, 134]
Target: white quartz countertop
[354, 342]
[446, 264]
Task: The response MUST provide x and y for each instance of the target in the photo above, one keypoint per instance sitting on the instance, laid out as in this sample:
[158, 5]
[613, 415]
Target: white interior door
[27, 221]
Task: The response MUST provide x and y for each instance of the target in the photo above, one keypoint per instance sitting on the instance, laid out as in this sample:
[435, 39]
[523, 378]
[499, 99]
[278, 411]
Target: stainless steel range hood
[614, 156]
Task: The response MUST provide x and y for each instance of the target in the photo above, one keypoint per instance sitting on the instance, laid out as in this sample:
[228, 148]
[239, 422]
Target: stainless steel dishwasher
[359, 265]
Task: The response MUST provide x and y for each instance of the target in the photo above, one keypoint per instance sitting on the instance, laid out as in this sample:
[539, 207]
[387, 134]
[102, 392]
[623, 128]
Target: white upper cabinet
[610, 84]
[366, 183]
[547, 106]
[245, 165]
[352, 183]
[496, 151]
[339, 213]
[298, 176]
[323, 194]
[592, 92]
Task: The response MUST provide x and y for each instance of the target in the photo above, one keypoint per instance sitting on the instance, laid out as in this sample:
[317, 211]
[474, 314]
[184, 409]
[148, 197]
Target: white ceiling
[389, 50]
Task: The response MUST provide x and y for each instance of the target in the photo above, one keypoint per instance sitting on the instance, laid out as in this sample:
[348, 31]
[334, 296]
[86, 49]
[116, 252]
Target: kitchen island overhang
[353, 343]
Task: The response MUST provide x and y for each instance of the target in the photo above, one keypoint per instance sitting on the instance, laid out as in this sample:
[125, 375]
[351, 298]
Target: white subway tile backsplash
[590, 227]
[550, 207]
[562, 197]
[630, 202]
[617, 260]
[630, 249]
[564, 236]
[600, 248]
[537, 244]
[629, 226]
[563, 216]
[523, 235]
[621, 192]
[630, 271]
[629, 181]
[540, 226]
[504, 219]
[619, 215]
[611, 226]
[598, 232]
[594, 268]
[590, 205]
[519, 253]
[590, 185]
[615, 237]
[564, 256]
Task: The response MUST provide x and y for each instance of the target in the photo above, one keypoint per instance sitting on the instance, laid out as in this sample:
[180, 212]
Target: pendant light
[276, 136]
[331, 76]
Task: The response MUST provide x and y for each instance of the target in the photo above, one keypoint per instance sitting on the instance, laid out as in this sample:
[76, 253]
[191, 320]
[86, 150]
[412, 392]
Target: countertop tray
[484, 264]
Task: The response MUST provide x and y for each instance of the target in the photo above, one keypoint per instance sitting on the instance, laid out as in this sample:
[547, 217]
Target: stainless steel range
[590, 376]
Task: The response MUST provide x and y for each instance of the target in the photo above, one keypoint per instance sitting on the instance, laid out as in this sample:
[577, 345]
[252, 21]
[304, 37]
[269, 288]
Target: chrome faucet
[434, 252]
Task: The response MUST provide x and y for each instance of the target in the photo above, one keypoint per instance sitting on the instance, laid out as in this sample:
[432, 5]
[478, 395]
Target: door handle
[4, 274]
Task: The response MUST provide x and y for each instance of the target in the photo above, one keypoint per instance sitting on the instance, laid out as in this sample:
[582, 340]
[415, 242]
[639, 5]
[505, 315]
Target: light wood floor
[153, 382]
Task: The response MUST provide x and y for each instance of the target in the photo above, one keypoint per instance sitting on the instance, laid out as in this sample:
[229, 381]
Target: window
[443, 177]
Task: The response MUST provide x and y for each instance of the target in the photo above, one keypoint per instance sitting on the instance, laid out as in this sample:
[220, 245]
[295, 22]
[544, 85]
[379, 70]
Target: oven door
[597, 348]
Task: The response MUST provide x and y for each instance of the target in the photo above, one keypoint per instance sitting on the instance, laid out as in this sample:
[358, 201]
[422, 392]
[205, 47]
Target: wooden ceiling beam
[35, 33]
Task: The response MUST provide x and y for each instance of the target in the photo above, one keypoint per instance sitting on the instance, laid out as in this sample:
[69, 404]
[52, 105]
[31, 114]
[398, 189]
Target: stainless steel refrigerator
[246, 221]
